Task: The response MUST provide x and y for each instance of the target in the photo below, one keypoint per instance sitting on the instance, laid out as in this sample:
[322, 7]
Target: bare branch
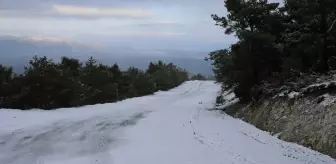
[332, 26]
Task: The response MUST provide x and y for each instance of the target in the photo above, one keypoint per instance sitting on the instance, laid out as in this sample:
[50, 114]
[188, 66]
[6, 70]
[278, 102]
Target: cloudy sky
[138, 24]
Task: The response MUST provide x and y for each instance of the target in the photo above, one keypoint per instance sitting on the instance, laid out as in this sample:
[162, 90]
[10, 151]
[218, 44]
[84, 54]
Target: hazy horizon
[110, 28]
[143, 25]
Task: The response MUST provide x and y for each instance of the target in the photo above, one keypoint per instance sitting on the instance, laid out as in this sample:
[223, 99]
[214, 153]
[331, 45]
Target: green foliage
[198, 77]
[310, 35]
[166, 76]
[6, 74]
[257, 24]
[274, 40]
[46, 84]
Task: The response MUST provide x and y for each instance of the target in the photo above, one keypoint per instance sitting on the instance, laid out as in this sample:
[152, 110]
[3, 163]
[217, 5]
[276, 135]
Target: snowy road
[173, 127]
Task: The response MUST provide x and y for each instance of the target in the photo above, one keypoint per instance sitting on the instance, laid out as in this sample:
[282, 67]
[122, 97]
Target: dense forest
[277, 44]
[46, 84]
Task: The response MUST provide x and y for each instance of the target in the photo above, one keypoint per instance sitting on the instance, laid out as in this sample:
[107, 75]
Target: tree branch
[332, 26]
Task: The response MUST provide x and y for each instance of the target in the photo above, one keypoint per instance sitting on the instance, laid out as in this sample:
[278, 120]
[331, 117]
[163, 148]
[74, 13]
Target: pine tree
[310, 33]
[46, 84]
[257, 24]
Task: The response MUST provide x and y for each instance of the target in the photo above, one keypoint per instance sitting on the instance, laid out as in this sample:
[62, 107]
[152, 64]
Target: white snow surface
[293, 94]
[328, 100]
[173, 127]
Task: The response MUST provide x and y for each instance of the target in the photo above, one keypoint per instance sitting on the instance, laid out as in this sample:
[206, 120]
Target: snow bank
[228, 98]
[327, 100]
[310, 89]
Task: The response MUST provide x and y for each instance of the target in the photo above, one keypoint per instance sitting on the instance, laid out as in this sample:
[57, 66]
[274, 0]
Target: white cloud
[67, 29]
[140, 33]
[115, 22]
[166, 22]
[44, 39]
[101, 12]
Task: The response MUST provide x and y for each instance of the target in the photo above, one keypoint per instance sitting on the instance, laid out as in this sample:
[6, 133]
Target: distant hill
[17, 52]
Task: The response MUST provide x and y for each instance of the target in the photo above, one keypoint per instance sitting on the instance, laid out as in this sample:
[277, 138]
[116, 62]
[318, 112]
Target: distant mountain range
[17, 52]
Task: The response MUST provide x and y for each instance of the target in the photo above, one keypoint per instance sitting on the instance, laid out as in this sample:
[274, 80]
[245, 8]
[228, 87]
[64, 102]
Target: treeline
[46, 84]
[198, 77]
[275, 43]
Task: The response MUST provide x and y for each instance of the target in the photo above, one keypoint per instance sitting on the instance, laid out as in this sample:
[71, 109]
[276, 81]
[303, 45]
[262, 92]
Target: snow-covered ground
[173, 127]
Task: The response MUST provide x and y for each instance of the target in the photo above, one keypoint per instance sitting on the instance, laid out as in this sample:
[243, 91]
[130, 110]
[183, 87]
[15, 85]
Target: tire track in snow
[179, 130]
[210, 145]
[195, 116]
[91, 137]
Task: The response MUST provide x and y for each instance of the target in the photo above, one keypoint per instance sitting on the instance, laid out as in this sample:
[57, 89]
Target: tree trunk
[254, 65]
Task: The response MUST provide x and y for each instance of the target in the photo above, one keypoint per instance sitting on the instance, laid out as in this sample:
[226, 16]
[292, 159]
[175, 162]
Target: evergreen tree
[198, 77]
[46, 84]
[258, 26]
[274, 41]
[310, 33]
